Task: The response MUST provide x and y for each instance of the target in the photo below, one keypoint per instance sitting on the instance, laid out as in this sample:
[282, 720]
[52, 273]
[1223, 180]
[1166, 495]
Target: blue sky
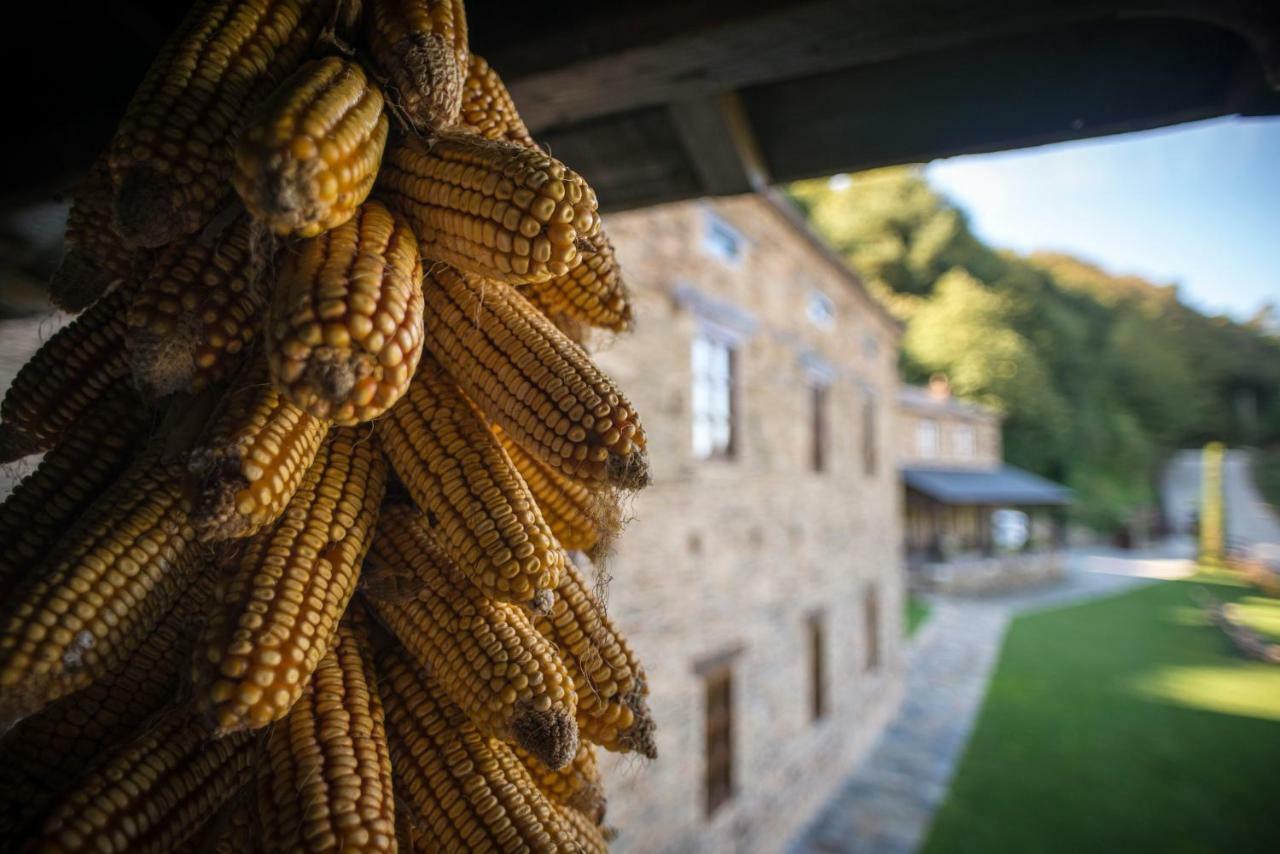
[1197, 204]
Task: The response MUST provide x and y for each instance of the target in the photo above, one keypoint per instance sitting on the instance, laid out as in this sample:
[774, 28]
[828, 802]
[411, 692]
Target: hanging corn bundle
[292, 575]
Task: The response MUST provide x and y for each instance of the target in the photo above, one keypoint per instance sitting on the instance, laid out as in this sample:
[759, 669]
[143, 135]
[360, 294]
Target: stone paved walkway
[887, 805]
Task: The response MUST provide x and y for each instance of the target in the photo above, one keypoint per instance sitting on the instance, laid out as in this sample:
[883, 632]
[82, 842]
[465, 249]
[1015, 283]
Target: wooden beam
[720, 143]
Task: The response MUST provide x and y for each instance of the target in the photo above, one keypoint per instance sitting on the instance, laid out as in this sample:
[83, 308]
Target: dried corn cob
[276, 614]
[491, 207]
[611, 685]
[197, 311]
[96, 257]
[345, 331]
[235, 828]
[170, 160]
[156, 792]
[46, 754]
[421, 45]
[539, 386]
[580, 517]
[327, 785]
[487, 107]
[93, 453]
[592, 292]
[469, 792]
[586, 833]
[311, 155]
[457, 472]
[99, 594]
[485, 654]
[83, 362]
[576, 785]
[253, 459]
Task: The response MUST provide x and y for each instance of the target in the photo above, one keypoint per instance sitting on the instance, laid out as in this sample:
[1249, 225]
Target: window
[927, 437]
[820, 310]
[818, 405]
[713, 398]
[962, 440]
[869, 437]
[723, 240]
[719, 747]
[817, 663]
[871, 626]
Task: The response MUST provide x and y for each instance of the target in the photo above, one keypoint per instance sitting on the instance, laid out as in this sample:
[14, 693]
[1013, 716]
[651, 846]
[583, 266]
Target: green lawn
[1126, 724]
[917, 612]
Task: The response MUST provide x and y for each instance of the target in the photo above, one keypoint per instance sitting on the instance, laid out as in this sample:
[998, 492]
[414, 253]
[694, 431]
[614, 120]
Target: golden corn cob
[277, 613]
[489, 524]
[421, 45]
[96, 258]
[592, 292]
[527, 377]
[487, 107]
[93, 453]
[611, 685]
[468, 791]
[170, 159]
[327, 784]
[156, 792]
[252, 460]
[580, 517]
[345, 328]
[311, 154]
[576, 785]
[586, 833]
[83, 362]
[101, 591]
[196, 312]
[235, 828]
[44, 755]
[486, 655]
[491, 207]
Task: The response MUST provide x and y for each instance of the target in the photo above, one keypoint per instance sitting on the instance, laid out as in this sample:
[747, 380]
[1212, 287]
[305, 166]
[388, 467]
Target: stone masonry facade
[734, 561]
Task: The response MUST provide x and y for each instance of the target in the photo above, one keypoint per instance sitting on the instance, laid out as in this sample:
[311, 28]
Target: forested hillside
[1099, 375]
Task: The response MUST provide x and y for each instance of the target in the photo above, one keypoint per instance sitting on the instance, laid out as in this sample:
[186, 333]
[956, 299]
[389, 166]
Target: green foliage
[1266, 471]
[1098, 376]
[918, 611]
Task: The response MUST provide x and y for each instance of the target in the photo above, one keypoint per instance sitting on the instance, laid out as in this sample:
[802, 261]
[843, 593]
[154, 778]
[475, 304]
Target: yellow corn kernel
[611, 685]
[527, 377]
[486, 655]
[592, 292]
[170, 159]
[491, 207]
[310, 156]
[45, 755]
[421, 45]
[457, 473]
[276, 614]
[587, 834]
[84, 362]
[327, 781]
[93, 453]
[345, 327]
[100, 591]
[467, 791]
[195, 314]
[576, 785]
[155, 793]
[96, 258]
[487, 108]
[251, 462]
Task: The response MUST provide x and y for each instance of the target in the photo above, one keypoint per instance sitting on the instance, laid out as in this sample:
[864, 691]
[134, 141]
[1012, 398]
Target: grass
[1127, 724]
[917, 612]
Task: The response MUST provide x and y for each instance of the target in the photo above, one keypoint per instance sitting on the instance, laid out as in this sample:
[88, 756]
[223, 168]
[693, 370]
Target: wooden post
[1212, 512]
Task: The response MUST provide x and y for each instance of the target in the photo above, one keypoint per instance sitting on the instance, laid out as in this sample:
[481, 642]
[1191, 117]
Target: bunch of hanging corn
[292, 575]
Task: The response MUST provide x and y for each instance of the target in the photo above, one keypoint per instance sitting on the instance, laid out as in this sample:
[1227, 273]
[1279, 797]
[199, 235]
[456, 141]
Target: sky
[1197, 204]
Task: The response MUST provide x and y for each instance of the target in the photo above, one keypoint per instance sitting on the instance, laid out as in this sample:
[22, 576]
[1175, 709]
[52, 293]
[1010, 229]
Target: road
[1251, 524]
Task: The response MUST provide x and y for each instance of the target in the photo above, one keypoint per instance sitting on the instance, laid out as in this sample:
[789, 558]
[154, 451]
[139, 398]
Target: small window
[869, 438]
[819, 394]
[714, 387]
[719, 745]
[723, 241]
[871, 626]
[821, 310]
[817, 664]
[927, 437]
[963, 442]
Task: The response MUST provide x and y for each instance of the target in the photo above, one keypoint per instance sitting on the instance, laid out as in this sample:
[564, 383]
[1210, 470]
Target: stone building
[761, 579]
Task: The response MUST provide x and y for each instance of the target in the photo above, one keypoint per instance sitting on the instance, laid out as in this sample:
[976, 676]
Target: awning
[1004, 485]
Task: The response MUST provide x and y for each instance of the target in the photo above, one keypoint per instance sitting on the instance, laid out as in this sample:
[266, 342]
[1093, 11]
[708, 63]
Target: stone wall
[738, 555]
[995, 574]
[986, 449]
